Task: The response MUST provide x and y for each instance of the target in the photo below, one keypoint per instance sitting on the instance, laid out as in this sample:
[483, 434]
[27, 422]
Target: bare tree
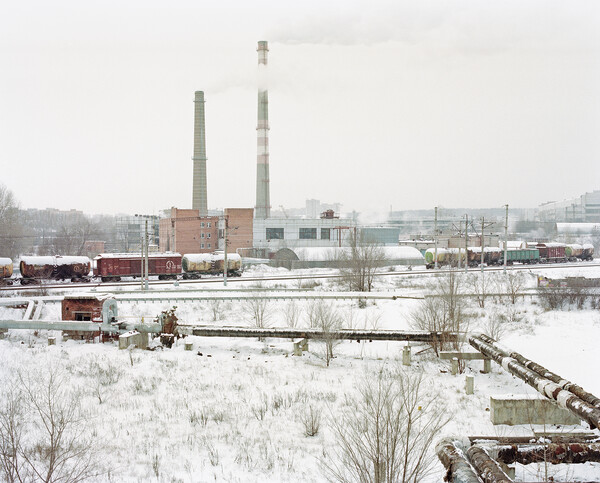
[62, 453]
[387, 435]
[359, 262]
[481, 285]
[42, 431]
[291, 314]
[514, 282]
[328, 321]
[258, 310]
[11, 232]
[12, 426]
[442, 311]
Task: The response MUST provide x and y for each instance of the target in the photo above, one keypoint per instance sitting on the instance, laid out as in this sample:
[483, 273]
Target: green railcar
[522, 255]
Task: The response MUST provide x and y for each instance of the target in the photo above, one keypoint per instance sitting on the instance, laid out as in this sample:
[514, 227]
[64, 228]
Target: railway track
[216, 280]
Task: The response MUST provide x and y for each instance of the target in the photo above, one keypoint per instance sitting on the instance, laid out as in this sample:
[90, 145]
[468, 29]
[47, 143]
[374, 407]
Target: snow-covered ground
[232, 409]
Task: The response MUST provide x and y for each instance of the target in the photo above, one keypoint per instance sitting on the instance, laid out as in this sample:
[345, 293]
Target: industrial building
[187, 231]
[583, 209]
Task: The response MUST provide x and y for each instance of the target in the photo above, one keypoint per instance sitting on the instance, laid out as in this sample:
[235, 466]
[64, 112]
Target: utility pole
[482, 241]
[146, 259]
[225, 267]
[505, 238]
[466, 243]
[435, 239]
[143, 244]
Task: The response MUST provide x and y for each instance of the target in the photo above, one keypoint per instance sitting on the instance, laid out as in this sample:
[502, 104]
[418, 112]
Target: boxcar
[6, 270]
[55, 268]
[113, 266]
[552, 252]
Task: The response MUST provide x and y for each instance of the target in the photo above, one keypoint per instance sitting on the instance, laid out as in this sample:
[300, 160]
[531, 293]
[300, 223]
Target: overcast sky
[371, 104]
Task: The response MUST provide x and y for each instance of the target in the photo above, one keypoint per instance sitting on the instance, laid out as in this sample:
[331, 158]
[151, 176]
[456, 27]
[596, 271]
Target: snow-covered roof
[136, 255]
[578, 228]
[5, 261]
[210, 257]
[54, 260]
[332, 253]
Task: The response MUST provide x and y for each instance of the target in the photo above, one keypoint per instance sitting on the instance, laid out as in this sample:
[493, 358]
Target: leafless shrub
[442, 312]
[216, 309]
[258, 310]
[42, 431]
[480, 284]
[291, 314]
[311, 420]
[495, 325]
[386, 435]
[552, 298]
[327, 319]
[514, 283]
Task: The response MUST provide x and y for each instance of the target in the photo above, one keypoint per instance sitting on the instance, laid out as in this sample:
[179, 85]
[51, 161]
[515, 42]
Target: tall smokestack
[263, 198]
[199, 181]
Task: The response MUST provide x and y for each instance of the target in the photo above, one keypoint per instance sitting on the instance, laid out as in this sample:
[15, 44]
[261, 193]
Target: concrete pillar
[454, 366]
[487, 366]
[406, 356]
[469, 384]
[188, 346]
[51, 340]
[304, 345]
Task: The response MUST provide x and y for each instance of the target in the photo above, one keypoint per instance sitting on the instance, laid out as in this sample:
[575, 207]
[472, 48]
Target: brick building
[240, 231]
[185, 231]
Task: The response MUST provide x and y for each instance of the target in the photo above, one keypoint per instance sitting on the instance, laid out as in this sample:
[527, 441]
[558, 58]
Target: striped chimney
[199, 181]
[263, 199]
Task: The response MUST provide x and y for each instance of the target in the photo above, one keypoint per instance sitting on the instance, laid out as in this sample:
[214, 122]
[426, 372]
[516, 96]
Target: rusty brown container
[54, 268]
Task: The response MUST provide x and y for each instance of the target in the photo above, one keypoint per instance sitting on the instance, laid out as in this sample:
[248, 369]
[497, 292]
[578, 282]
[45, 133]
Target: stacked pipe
[542, 371]
[560, 392]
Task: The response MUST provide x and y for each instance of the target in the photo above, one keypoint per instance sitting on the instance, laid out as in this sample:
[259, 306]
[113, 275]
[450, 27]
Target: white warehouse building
[276, 233]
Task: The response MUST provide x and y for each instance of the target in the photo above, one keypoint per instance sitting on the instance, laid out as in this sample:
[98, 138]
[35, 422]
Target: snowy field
[235, 409]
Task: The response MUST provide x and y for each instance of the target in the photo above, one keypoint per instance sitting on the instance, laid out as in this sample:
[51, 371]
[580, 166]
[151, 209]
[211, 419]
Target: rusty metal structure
[262, 209]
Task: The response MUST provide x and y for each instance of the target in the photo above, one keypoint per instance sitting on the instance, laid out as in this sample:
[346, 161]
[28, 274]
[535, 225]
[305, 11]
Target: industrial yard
[235, 409]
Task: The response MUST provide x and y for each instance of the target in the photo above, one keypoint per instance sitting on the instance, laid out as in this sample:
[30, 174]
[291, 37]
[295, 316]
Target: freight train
[534, 253]
[113, 266]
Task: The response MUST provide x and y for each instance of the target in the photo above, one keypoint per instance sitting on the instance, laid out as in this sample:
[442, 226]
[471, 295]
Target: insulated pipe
[552, 453]
[487, 468]
[343, 334]
[551, 390]
[458, 469]
[542, 371]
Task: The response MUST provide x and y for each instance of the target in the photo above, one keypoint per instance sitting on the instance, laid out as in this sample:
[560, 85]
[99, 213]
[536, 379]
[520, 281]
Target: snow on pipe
[458, 469]
[487, 468]
[551, 390]
[343, 334]
[553, 453]
[542, 371]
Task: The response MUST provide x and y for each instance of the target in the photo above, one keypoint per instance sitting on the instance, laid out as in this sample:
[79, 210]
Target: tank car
[34, 269]
[588, 252]
[113, 266]
[6, 271]
[574, 252]
[197, 264]
[445, 256]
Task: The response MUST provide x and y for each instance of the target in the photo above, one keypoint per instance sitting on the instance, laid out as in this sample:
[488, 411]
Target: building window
[208, 225]
[274, 233]
[208, 246]
[202, 225]
[325, 233]
[208, 235]
[201, 245]
[201, 235]
[308, 234]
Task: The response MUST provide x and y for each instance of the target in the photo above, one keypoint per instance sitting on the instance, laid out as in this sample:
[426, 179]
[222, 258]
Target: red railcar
[552, 252]
[113, 266]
